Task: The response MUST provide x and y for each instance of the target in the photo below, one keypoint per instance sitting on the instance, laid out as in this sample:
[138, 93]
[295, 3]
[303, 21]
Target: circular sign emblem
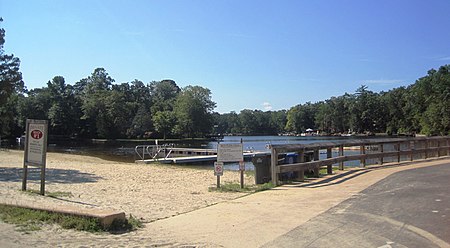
[36, 134]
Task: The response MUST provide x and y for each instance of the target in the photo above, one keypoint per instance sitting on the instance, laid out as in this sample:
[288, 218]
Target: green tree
[431, 101]
[248, 122]
[65, 109]
[93, 92]
[164, 122]
[277, 121]
[301, 117]
[324, 117]
[164, 94]
[227, 123]
[139, 100]
[11, 85]
[121, 110]
[193, 110]
[367, 111]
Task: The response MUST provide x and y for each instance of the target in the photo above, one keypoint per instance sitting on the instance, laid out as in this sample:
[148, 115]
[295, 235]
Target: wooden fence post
[362, 150]
[411, 150]
[329, 155]
[448, 145]
[426, 149]
[381, 150]
[316, 158]
[398, 152]
[274, 163]
[341, 153]
[439, 148]
[301, 159]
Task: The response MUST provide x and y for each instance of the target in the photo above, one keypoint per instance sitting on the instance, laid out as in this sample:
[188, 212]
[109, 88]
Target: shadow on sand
[52, 175]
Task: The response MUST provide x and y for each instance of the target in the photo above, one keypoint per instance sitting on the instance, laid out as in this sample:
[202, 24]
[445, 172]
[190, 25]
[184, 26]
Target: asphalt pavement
[409, 208]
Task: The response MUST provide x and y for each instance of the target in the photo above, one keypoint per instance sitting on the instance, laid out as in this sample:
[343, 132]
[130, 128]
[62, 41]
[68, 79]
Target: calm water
[260, 143]
[124, 151]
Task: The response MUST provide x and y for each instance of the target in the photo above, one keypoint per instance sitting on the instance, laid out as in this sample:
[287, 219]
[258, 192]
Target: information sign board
[36, 142]
[35, 149]
[230, 152]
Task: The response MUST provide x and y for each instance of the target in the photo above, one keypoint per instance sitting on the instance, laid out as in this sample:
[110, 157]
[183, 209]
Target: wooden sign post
[231, 153]
[242, 169]
[218, 171]
[35, 150]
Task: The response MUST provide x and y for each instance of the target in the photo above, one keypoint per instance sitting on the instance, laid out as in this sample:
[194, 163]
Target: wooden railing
[378, 150]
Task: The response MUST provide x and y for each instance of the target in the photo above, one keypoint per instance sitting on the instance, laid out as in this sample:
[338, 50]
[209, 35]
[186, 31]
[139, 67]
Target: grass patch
[236, 187]
[249, 173]
[32, 220]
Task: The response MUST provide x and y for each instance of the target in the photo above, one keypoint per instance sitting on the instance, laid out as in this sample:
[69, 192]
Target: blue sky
[252, 54]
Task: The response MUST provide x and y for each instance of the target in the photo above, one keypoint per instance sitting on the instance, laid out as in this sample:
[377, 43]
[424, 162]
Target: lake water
[124, 151]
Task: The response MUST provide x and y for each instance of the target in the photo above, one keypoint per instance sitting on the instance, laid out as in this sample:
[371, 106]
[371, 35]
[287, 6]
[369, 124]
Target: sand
[148, 192]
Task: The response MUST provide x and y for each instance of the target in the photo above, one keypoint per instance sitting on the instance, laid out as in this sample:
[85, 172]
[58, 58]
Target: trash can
[290, 158]
[263, 174]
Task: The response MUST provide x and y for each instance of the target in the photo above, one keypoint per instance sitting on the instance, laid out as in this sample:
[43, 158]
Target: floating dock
[195, 159]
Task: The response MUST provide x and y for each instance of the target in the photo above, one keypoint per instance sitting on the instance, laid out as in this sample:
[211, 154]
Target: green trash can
[263, 174]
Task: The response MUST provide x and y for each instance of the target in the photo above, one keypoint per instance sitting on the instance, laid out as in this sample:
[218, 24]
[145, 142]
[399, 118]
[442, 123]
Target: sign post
[242, 169]
[231, 153]
[218, 171]
[35, 150]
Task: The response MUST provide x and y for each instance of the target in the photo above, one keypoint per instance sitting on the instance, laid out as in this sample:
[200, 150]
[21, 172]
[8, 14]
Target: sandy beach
[148, 192]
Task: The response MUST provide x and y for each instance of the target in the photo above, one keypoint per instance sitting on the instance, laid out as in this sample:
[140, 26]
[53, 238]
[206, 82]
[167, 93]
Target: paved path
[268, 218]
[407, 209]
[339, 207]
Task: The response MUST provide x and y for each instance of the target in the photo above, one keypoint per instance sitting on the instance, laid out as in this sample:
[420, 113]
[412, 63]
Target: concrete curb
[106, 217]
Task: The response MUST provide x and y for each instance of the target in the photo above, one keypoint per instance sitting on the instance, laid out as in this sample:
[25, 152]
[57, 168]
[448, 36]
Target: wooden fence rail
[398, 149]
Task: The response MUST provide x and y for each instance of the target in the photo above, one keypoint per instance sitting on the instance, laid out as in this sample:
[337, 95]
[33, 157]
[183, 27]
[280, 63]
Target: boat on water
[310, 132]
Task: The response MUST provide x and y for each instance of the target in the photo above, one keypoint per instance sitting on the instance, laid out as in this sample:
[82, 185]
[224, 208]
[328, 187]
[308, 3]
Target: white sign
[36, 143]
[218, 169]
[230, 153]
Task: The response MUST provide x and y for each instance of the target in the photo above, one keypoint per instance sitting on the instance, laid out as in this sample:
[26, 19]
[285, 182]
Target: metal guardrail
[154, 152]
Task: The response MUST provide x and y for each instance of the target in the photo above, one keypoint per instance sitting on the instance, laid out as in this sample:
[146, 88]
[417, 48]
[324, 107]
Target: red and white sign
[218, 169]
[36, 142]
[36, 134]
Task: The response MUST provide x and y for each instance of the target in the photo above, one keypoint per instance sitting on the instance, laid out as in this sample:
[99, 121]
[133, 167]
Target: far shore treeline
[96, 107]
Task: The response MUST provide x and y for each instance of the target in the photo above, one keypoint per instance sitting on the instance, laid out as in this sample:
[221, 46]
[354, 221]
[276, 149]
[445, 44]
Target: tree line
[420, 108]
[96, 107]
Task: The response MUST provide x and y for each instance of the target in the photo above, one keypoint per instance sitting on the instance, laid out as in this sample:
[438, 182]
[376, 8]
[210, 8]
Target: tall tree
[10, 84]
[367, 111]
[432, 101]
[193, 110]
[164, 122]
[301, 117]
[164, 94]
[65, 110]
[93, 92]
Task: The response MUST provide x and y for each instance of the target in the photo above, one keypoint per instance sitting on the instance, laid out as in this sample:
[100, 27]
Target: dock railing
[166, 151]
[144, 152]
[366, 151]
